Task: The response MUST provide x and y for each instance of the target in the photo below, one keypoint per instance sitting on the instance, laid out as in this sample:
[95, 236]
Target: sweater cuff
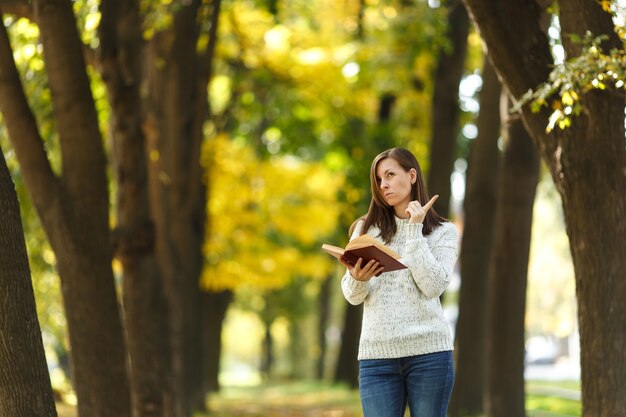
[354, 285]
[414, 230]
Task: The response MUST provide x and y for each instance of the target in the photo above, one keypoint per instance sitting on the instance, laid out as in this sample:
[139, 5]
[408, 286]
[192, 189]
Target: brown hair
[382, 215]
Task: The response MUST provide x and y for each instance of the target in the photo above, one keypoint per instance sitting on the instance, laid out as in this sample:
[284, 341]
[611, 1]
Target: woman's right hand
[370, 270]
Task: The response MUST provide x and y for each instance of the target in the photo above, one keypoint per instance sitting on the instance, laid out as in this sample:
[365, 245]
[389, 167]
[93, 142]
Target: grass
[318, 399]
[538, 406]
[553, 399]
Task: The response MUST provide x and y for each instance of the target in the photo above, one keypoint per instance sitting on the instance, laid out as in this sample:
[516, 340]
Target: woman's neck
[400, 212]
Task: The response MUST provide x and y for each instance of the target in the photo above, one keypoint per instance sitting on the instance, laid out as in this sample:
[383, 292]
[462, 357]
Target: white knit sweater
[402, 313]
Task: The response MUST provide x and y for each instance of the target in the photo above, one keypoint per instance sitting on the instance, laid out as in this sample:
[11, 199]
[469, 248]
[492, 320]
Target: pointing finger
[428, 205]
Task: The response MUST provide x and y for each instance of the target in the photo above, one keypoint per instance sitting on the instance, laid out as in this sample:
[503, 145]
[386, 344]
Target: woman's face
[395, 184]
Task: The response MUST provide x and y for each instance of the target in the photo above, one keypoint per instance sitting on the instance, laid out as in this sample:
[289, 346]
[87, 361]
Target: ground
[286, 400]
[317, 399]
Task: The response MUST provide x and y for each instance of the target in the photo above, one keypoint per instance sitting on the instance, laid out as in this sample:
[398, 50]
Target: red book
[368, 248]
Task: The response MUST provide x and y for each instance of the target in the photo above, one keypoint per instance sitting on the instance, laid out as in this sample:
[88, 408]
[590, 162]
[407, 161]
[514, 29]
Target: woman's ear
[413, 175]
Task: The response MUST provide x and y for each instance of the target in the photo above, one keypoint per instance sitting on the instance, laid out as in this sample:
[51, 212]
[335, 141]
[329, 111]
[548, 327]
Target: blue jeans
[424, 381]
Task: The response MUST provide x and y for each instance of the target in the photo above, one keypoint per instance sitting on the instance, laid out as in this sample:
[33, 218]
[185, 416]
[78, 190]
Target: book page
[336, 251]
[366, 240]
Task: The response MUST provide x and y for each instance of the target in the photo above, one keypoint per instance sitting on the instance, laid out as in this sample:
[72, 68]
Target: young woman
[405, 351]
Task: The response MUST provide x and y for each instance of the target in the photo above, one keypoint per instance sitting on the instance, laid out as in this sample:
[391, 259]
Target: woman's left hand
[417, 211]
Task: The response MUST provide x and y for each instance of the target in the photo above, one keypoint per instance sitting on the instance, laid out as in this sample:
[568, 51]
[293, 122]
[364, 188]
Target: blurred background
[295, 98]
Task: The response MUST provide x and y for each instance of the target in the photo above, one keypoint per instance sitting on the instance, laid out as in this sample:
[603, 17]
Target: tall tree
[480, 209]
[146, 315]
[324, 304]
[23, 369]
[73, 207]
[347, 370]
[214, 304]
[509, 269]
[587, 163]
[177, 110]
[445, 105]
[214, 308]
[125, 60]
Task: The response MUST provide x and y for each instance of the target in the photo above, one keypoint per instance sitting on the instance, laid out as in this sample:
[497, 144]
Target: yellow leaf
[266, 217]
[606, 5]
[565, 122]
[567, 98]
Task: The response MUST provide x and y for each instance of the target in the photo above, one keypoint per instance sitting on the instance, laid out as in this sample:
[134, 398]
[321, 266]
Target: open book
[368, 248]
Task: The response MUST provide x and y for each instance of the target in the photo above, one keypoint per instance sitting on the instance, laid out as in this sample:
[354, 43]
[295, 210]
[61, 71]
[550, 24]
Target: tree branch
[207, 59]
[517, 45]
[23, 130]
[77, 122]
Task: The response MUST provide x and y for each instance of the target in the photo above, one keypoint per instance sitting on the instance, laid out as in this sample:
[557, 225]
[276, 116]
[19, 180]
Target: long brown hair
[382, 215]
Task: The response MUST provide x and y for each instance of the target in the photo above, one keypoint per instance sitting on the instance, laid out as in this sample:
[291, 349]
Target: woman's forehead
[387, 164]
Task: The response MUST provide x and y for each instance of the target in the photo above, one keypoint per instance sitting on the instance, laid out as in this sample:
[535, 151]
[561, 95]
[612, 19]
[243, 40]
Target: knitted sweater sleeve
[354, 291]
[431, 266]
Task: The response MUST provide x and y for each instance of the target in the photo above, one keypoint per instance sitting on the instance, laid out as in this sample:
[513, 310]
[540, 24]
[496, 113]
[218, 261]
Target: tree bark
[347, 363]
[480, 209]
[73, 208]
[267, 350]
[145, 306]
[323, 320]
[214, 306]
[591, 179]
[24, 380]
[587, 162]
[445, 107]
[177, 111]
[509, 270]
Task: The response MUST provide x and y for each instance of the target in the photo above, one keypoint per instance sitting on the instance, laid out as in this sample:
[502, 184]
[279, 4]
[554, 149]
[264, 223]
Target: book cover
[368, 248]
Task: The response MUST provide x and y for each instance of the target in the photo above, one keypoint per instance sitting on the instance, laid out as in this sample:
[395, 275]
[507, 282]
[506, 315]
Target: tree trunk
[587, 163]
[145, 306]
[214, 306]
[591, 177]
[297, 350]
[24, 380]
[267, 351]
[73, 208]
[480, 208]
[323, 319]
[178, 109]
[509, 270]
[347, 363]
[445, 107]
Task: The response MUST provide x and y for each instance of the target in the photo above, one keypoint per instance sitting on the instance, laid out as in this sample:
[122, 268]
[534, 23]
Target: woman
[405, 351]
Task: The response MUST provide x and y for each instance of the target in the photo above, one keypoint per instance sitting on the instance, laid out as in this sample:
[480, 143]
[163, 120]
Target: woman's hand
[371, 269]
[417, 211]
